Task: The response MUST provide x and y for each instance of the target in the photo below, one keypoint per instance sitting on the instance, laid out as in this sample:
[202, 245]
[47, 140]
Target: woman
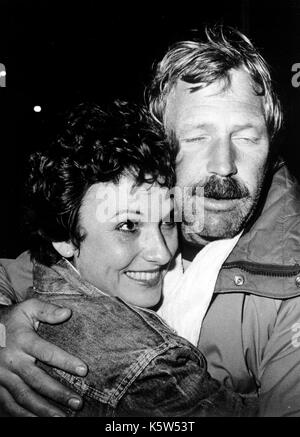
[102, 239]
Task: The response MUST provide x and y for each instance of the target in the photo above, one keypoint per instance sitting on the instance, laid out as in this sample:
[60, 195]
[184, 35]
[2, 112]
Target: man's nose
[221, 160]
[156, 250]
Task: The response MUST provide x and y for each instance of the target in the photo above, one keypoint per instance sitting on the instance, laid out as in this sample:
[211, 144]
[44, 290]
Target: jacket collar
[61, 278]
[274, 237]
[266, 260]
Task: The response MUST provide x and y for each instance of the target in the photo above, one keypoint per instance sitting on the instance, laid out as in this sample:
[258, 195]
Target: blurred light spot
[37, 108]
[2, 76]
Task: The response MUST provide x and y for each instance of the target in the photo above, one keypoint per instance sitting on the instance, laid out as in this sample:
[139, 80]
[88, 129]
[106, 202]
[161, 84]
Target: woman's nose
[156, 249]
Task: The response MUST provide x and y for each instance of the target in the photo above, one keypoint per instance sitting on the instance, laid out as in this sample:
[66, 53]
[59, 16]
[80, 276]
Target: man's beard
[200, 225]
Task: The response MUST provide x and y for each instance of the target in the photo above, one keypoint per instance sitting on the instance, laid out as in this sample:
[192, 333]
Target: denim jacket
[137, 365]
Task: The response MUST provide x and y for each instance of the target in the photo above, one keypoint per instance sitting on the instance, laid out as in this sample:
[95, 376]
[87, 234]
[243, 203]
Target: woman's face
[130, 239]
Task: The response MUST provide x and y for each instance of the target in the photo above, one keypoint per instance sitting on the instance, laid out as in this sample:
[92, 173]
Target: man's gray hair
[205, 62]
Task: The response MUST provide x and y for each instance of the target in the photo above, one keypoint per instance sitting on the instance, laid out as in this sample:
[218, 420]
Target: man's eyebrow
[243, 126]
[209, 125]
[189, 125]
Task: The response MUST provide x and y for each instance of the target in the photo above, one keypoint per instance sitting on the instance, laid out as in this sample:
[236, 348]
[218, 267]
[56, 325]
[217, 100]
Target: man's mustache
[222, 188]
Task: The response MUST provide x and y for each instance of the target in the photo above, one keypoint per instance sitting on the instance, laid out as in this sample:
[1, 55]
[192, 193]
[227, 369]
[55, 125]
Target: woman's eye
[168, 224]
[128, 226]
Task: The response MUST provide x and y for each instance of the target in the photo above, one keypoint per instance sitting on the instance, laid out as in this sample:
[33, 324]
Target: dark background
[57, 54]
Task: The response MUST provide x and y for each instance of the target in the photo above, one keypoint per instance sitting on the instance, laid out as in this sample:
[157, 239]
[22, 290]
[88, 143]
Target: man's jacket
[251, 333]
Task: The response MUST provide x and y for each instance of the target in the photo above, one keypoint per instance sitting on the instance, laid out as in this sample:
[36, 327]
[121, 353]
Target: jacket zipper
[264, 269]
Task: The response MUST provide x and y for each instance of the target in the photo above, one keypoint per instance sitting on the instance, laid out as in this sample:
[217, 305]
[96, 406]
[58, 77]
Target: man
[216, 102]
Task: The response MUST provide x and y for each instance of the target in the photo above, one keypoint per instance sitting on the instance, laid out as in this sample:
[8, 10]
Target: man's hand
[24, 387]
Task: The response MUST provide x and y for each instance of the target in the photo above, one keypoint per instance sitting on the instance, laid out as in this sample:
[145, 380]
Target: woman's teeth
[143, 276]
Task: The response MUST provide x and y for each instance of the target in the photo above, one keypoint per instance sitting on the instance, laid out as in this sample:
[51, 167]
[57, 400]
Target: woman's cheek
[125, 252]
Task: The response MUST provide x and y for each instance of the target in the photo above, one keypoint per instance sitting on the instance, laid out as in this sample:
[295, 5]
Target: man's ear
[64, 248]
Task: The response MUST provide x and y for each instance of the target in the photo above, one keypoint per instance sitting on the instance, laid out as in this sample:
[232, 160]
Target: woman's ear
[64, 248]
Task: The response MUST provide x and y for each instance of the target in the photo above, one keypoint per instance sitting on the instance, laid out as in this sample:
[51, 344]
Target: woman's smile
[149, 278]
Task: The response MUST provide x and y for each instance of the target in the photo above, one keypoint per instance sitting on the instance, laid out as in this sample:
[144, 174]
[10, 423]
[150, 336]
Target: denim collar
[61, 278]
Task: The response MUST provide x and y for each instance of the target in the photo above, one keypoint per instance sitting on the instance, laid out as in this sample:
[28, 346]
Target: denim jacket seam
[142, 364]
[111, 400]
[57, 293]
[137, 368]
[82, 387]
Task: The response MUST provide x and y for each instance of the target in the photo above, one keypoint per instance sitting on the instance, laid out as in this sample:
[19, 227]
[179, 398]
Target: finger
[10, 408]
[44, 385]
[30, 401]
[52, 355]
[37, 310]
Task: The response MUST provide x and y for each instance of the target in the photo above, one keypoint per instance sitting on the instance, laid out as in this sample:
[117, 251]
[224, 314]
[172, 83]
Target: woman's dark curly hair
[96, 145]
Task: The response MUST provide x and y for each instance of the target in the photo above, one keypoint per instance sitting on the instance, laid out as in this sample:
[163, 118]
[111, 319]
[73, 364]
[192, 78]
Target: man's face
[223, 151]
